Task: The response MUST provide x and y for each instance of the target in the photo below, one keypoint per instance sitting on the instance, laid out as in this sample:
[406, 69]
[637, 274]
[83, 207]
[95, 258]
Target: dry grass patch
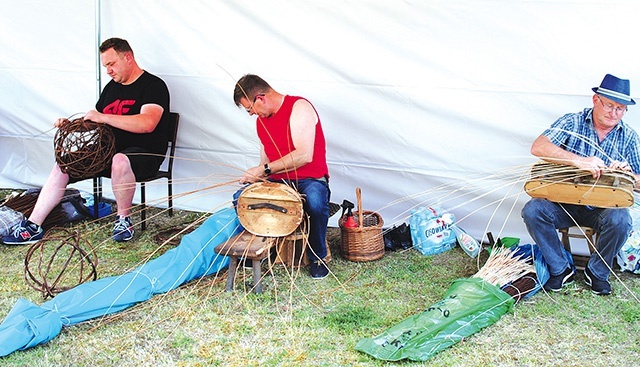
[299, 321]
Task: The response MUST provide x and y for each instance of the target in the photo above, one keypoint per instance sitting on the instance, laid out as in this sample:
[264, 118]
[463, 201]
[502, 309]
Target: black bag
[398, 237]
[73, 206]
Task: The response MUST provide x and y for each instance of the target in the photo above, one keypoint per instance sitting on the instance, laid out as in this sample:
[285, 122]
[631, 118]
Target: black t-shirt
[119, 99]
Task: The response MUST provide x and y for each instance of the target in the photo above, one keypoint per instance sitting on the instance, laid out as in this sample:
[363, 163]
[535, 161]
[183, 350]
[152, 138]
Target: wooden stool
[250, 247]
[291, 250]
[586, 233]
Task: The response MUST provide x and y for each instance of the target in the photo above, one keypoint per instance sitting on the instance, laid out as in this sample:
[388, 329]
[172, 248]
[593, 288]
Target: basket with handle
[364, 242]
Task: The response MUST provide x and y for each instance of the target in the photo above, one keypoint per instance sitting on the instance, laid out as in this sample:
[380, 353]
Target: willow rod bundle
[25, 203]
[502, 267]
[522, 286]
[84, 148]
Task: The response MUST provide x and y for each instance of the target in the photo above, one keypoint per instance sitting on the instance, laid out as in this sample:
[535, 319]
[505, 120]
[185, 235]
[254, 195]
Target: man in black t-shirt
[135, 104]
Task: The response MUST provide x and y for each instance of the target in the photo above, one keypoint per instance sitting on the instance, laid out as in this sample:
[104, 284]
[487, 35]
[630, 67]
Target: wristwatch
[267, 170]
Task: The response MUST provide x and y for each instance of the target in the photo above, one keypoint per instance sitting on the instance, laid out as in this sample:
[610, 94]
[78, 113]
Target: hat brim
[628, 102]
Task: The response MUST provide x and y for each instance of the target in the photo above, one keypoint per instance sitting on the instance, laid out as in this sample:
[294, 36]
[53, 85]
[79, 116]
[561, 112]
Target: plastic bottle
[88, 200]
[466, 241]
[447, 219]
[350, 222]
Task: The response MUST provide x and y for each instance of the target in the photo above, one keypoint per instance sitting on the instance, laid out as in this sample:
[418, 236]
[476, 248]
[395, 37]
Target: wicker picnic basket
[364, 242]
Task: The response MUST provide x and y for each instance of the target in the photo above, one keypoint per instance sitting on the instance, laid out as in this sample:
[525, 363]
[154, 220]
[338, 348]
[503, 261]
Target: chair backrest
[174, 119]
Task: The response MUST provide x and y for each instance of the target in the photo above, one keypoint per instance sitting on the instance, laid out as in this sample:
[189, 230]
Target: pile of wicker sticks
[514, 274]
[25, 202]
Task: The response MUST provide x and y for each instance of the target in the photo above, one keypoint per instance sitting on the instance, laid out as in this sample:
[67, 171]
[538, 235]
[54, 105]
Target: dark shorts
[143, 164]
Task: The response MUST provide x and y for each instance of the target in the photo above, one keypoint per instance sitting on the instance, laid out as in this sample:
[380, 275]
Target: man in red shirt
[293, 150]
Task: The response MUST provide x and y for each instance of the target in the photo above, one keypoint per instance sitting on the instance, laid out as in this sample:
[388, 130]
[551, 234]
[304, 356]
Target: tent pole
[98, 7]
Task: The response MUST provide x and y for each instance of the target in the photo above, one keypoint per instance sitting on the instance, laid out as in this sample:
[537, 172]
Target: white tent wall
[47, 70]
[422, 102]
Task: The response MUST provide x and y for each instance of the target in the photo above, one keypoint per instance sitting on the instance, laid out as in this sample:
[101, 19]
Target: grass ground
[299, 321]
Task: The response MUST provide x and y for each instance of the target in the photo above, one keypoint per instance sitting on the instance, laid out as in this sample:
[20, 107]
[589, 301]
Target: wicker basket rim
[364, 213]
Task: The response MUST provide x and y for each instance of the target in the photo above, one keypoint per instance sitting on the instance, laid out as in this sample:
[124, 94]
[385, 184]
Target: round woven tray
[362, 243]
[270, 209]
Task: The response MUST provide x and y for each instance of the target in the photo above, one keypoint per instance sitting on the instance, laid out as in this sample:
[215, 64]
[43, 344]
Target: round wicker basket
[365, 242]
[84, 148]
[362, 243]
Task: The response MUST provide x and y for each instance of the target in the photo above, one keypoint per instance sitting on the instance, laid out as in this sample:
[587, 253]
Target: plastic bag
[8, 219]
[468, 306]
[430, 230]
[629, 255]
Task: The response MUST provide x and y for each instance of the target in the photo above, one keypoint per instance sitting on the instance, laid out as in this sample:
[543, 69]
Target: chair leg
[143, 204]
[231, 276]
[97, 195]
[257, 276]
[143, 210]
[170, 190]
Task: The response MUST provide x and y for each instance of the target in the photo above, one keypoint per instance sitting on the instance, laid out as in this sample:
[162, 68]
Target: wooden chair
[585, 233]
[174, 119]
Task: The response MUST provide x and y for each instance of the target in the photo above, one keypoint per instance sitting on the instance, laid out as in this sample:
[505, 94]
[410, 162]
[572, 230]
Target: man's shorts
[143, 164]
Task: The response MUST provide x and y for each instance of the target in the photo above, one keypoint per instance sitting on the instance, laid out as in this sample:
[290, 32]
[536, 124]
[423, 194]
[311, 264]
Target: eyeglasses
[248, 109]
[611, 108]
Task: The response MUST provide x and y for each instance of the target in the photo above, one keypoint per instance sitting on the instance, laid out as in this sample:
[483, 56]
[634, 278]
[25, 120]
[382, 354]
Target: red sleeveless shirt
[275, 135]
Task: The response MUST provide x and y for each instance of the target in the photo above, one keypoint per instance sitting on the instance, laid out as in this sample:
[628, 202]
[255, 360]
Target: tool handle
[267, 206]
[359, 198]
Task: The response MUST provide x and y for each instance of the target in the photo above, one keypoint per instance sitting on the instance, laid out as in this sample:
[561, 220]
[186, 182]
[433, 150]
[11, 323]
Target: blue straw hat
[615, 89]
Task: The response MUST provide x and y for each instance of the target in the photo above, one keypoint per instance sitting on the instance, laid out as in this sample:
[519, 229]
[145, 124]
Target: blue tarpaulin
[28, 324]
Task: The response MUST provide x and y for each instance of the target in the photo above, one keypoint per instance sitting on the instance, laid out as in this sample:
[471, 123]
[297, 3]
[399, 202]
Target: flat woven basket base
[270, 209]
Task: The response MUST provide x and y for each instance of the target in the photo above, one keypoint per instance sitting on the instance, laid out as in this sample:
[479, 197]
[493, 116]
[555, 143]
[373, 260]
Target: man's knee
[316, 198]
[120, 165]
[533, 208]
[316, 208]
[619, 218]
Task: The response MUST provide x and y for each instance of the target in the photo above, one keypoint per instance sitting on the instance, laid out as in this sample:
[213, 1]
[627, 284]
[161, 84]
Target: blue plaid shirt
[574, 132]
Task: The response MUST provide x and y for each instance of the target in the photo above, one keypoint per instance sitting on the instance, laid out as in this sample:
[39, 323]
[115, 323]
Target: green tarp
[468, 306]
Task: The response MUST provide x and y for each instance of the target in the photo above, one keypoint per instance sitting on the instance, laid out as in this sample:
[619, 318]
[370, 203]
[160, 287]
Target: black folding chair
[174, 119]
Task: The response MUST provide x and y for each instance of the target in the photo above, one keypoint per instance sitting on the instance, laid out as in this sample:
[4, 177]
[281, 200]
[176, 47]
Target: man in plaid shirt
[595, 139]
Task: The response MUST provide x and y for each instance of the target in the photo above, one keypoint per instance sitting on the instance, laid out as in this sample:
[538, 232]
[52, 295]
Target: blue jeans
[315, 202]
[543, 218]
